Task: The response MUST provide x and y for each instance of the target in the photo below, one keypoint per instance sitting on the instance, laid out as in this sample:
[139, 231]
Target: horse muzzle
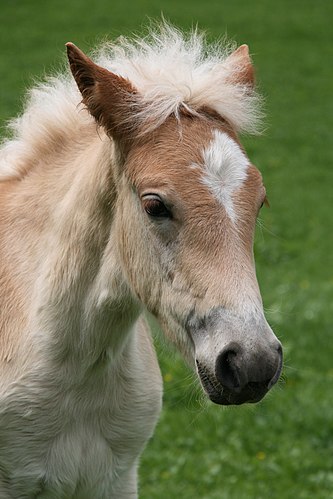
[240, 376]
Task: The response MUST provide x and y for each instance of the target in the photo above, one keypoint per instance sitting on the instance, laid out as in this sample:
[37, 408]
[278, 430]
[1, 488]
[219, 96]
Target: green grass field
[283, 447]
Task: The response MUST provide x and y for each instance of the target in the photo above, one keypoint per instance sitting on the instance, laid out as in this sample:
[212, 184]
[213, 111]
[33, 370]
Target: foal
[130, 193]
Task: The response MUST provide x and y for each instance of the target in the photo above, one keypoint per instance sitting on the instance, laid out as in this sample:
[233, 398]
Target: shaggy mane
[168, 69]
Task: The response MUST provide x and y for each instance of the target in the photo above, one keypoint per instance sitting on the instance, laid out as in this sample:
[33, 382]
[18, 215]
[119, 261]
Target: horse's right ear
[108, 97]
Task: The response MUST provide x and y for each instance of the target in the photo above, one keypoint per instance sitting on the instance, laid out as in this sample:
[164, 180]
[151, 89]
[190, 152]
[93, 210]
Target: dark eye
[154, 206]
[265, 202]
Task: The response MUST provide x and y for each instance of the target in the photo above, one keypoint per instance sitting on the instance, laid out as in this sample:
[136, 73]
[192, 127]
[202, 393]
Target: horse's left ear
[241, 66]
[108, 97]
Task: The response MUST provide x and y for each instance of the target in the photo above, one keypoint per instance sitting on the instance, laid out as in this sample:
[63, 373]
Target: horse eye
[154, 207]
[265, 202]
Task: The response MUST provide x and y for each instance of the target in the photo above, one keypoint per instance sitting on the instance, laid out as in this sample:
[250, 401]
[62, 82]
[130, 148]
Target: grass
[281, 448]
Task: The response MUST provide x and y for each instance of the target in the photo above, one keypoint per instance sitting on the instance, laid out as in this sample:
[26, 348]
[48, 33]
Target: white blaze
[225, 169]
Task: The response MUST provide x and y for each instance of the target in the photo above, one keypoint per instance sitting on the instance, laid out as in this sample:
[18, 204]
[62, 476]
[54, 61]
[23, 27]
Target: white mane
[168, 70]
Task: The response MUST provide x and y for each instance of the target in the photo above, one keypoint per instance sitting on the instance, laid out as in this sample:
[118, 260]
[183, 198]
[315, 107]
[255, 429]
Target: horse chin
[226, 397]
[221, 395]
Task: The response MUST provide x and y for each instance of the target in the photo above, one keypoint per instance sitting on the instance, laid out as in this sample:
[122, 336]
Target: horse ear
[241, 66]
[108, 97]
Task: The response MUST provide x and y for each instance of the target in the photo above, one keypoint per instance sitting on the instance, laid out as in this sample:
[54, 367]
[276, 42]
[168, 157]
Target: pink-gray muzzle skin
[238, 360]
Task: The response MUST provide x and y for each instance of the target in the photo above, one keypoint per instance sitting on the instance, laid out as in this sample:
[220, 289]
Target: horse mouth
[221, 395]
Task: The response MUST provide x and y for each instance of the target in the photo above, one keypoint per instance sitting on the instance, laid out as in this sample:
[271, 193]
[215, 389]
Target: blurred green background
[282, 447]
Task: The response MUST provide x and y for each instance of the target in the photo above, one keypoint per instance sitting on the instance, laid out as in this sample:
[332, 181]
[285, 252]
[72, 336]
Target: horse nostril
[226, 369]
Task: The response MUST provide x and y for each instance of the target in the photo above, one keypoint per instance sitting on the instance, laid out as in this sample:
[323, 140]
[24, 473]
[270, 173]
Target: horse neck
[81, 306]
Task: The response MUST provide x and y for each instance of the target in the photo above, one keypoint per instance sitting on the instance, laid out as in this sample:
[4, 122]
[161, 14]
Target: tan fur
[81, 259]
[174, 154]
